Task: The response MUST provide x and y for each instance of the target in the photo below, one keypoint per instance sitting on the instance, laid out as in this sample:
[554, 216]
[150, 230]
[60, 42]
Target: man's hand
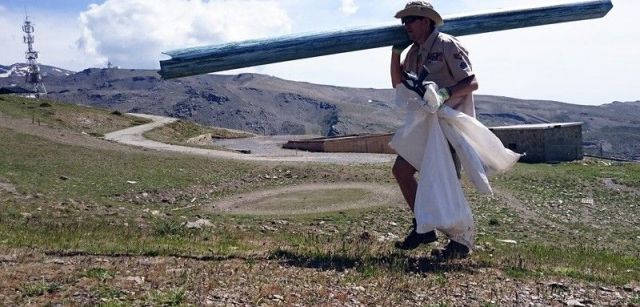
[415, 83]
[398, 48]
[433, 97]
[436, 97]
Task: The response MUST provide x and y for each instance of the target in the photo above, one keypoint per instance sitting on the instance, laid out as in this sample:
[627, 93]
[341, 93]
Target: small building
[552, 142]
[370, 143]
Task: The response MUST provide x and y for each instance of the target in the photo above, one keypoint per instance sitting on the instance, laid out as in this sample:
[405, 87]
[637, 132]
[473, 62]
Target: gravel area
[263, 148]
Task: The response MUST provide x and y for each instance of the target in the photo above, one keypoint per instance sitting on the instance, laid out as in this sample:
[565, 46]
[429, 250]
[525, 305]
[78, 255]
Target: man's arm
[465, 87]
[457, 59]
[396, 65]
[396, 68]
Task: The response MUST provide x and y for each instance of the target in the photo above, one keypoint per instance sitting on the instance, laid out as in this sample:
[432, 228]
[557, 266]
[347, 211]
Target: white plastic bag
[423, 140]
[410, 139]
[494, 156]
[440, 203]
[469, 158]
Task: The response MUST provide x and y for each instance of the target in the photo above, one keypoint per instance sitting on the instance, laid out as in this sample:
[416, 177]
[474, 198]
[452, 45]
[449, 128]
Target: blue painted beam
[207, 59]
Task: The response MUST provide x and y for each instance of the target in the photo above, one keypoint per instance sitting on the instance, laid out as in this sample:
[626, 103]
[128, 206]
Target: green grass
[101, 274]
[91, 207]
[93, 121]
[536, 260]
[98, 184]
[555, 197]
[440, 279]
[172, 297]
[94, 236]
[40, 288]
[110, 295]
[95, 174]
[179, 132]
[72, 200]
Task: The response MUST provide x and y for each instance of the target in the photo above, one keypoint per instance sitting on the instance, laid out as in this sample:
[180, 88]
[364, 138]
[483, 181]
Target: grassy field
[183, 132]
[93, 121]
[81, 226]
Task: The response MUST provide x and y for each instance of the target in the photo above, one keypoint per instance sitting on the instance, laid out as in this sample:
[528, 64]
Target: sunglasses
[410, 19]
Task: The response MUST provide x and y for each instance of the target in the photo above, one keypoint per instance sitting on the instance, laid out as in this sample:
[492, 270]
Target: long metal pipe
[207, 59]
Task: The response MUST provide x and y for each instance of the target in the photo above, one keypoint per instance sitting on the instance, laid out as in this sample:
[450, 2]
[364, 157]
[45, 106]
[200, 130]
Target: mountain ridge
[269, 105]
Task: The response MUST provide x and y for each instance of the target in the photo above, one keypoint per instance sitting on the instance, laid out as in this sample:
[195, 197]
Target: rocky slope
[268, 105]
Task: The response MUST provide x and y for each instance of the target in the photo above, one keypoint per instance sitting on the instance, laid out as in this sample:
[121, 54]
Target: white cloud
[133, 33]
[349, 7]
[11, 39]
[54, 40]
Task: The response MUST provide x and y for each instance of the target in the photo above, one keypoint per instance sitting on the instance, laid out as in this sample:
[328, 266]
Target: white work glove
[435, 97]
[432, 96]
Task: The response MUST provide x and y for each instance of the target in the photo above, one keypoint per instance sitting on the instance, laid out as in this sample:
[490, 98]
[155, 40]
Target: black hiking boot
[453, 250]
[414, 239]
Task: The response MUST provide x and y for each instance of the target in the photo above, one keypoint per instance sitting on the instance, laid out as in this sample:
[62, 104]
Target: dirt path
[310, 198]
[133, 136]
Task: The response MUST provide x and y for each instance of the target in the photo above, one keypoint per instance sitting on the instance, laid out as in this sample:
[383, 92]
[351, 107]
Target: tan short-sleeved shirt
[448, 63]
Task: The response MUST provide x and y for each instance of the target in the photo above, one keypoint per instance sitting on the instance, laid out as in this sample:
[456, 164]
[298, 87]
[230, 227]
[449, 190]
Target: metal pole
[207, 59]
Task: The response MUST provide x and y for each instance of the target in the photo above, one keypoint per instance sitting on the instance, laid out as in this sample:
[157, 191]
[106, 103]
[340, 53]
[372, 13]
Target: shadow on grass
[62, 253]
[394, 262]
[366, 264]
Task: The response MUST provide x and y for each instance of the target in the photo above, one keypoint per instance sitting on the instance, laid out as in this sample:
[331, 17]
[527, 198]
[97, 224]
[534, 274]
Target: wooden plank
[207, 59]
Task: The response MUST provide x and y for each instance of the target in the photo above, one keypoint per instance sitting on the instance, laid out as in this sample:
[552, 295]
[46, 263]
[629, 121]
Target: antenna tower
[33, 74]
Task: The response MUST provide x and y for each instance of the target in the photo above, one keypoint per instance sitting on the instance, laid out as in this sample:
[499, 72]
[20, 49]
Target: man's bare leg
[404, 173]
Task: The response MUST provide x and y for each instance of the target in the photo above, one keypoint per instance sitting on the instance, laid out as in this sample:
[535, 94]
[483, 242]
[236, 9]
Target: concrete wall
[543, 142]
[375, 143]
[367, 143]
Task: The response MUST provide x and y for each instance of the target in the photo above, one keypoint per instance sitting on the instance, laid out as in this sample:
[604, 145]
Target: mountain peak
[20, 70]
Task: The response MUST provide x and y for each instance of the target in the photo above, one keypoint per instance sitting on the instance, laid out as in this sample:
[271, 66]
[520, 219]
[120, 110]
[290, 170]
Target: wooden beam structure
[207, 59]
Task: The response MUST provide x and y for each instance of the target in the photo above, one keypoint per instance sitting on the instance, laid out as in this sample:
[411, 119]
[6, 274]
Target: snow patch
[6, 73]
[15, 71]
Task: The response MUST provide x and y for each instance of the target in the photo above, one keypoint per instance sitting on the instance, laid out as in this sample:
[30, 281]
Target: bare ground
[315, 198]
[278, 280]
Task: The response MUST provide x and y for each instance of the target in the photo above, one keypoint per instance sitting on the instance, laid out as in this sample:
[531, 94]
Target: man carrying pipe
[451, 84]
[447, 63]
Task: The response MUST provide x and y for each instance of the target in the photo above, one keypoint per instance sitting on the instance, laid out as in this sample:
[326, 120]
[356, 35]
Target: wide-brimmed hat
[421, 8]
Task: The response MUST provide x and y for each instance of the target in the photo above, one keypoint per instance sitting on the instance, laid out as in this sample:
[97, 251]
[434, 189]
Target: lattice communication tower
[33, 74]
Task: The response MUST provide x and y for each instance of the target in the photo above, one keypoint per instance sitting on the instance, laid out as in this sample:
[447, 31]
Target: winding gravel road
[263, 148]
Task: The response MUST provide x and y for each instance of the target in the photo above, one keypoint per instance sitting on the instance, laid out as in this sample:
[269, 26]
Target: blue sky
[588, 62]
[71, 6]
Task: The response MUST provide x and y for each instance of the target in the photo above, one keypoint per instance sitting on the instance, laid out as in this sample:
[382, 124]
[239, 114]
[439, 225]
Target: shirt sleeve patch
[435, 56]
